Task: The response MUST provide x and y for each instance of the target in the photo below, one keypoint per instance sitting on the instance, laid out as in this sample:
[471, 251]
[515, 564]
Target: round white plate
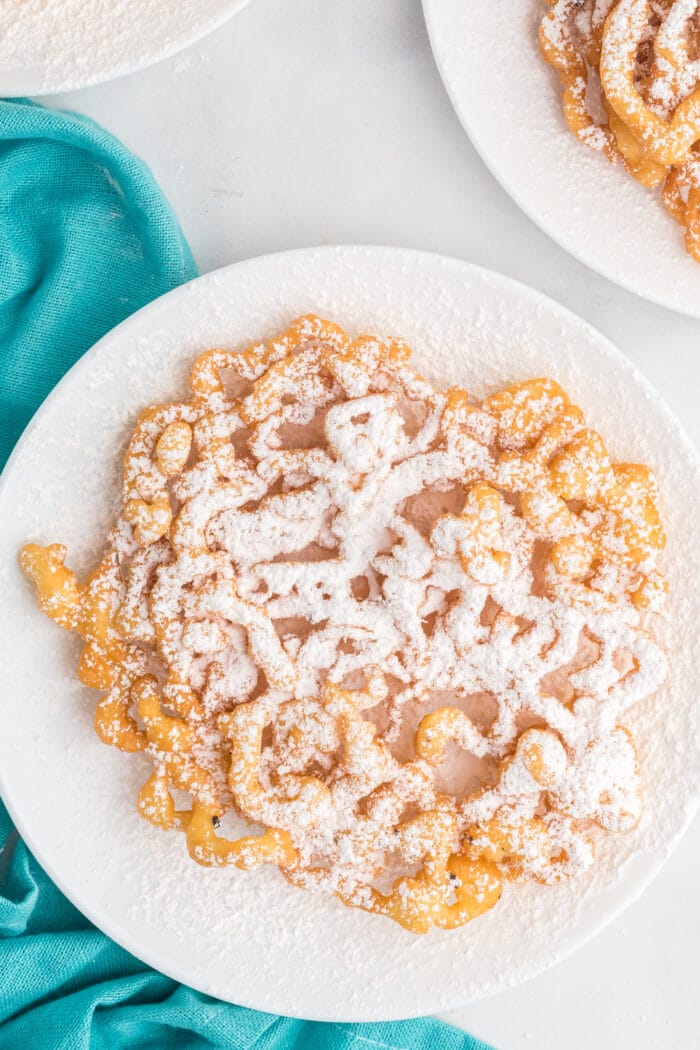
[250, 937]
[47, 46]
[509, 102]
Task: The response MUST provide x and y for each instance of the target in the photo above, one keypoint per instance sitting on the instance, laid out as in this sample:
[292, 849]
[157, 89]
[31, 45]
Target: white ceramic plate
[509, 102]
[250, 937]
[47, 46]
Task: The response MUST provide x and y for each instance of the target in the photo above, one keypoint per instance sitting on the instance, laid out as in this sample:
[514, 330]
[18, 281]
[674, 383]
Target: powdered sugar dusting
[335, 538]
[462, 324]
[59, 45]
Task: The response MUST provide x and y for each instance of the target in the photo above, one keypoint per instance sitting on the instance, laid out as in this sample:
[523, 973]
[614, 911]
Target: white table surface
[324, 121]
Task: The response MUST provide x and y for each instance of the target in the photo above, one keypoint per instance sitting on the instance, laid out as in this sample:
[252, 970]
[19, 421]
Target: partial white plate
[509, 102]
[250, 937]
[47, 46]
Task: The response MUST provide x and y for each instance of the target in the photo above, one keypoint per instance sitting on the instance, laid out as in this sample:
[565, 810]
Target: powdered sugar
[335, 538]
[59, 45]
[196, 923]
[664, 62]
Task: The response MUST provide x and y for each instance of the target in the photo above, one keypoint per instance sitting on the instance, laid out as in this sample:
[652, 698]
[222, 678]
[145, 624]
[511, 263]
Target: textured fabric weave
[65, 986]
[86, 238]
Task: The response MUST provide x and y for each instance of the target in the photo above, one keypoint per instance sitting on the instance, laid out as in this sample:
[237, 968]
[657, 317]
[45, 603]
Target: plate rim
[653, 861]
[430, 16]
[37, 87]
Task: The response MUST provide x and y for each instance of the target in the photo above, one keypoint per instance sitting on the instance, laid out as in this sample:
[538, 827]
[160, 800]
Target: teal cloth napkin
[86, 238]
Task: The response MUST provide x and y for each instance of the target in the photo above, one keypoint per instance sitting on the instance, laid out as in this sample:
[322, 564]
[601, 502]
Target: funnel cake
[630, 75]
[394, 630]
